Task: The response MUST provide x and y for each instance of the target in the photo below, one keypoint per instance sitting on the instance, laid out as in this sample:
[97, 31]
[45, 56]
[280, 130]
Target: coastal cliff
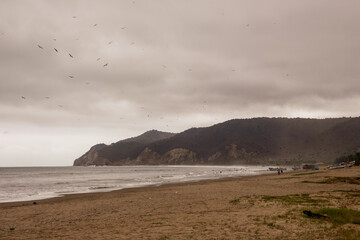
[239, 141]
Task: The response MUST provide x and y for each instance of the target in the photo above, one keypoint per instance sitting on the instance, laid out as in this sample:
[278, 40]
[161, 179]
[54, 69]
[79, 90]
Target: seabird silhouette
[71, 76]
[70, 55]
[40, 46]
[110, 43]
[98, 59]
[23, 97]
[95, 24]
[105, 65]
[55, 50]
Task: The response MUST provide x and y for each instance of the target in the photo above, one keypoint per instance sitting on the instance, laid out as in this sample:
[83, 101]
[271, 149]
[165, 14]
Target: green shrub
[341, 215]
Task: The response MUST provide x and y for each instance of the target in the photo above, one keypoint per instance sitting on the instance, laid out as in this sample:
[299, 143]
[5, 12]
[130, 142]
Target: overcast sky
[166, 65]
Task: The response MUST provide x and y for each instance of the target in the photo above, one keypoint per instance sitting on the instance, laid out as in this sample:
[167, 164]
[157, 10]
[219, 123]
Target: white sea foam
[33, 183]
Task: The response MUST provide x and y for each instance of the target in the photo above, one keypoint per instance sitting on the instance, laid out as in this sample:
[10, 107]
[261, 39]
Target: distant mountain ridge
[102, 154]
[238, 141]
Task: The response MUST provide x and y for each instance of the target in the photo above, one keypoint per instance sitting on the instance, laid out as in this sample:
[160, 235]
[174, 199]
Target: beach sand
[259, 207]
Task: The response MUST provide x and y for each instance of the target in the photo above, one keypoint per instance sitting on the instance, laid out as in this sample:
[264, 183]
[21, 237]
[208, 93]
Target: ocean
[34, 183]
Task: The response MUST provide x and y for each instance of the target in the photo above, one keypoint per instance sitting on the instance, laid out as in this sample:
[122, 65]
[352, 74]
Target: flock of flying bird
[70, 55]
[55, 51]
[98, 59]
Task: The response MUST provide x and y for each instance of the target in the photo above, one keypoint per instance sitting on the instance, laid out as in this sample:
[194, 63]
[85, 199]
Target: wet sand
[237, 208]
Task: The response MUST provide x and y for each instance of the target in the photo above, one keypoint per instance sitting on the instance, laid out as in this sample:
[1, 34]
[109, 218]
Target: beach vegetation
[285, 178]
[297, 199]
[313, 182]
[164, 238]
[349, 180]
[347, 234]
[273, 225]
[235, 201]
[354, 194]
[332, 180]
[340, 215]
[346, 191]
[157, 223]
[307, 173]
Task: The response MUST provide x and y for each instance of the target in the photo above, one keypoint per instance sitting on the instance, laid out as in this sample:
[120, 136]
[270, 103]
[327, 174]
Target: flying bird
[71, 55]
[95, 24]
[54, 39]
[98, 59]
[105, 65]
[71, 76]
[23, 97]
[47, 97]
[40, 46]
[55, 50]
[74, 16]
[110, 43]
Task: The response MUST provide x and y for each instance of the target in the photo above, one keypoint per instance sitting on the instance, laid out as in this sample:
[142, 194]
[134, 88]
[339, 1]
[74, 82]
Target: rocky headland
[238, 141]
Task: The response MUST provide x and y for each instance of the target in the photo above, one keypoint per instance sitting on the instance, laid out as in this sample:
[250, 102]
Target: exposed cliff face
[179, 156]
[92, 157]
[147, 157]
[247, 141]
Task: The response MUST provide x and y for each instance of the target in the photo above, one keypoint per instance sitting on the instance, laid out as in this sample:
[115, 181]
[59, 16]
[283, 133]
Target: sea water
[33, 183]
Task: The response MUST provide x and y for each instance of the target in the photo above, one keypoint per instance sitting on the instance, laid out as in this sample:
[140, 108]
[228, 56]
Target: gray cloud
[171, 65]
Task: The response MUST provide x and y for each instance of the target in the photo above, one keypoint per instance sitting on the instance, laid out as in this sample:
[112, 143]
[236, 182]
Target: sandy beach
[259, 207]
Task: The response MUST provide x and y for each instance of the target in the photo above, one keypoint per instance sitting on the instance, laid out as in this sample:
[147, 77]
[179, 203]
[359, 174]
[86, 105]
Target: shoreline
[250, 207]
[140, 185]
[84, 194]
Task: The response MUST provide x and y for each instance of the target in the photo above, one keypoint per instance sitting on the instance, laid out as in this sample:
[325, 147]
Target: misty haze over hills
[238, 141]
